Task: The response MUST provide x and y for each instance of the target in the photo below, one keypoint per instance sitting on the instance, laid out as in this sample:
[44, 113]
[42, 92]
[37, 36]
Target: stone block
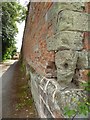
[70, 20]
[65, 40]
[57, 7]
[83, 62]
[66, 64]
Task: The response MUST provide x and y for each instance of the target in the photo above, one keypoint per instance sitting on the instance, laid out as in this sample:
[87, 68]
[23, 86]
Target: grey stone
[34, 88]
[50, 89]
[83, 59]
[43, 83]
[70, 20]
[68, 98]
[57, 7]
[35, 92]
[65, 40]
[66, 64]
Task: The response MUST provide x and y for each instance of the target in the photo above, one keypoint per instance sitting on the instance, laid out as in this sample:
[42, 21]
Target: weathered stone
[34, 87]
[66, 64]
[61, 26]
[43, 83]
[65, 40]
[57, 114]
[35, 92]
[50, 70]
[47, 112]
[57, 7]
[69, 98]
[83, 60]
[50, 89]
[70, 20]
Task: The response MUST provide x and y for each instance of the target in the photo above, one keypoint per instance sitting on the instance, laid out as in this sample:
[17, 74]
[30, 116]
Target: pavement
[6, 74]
[15, 96]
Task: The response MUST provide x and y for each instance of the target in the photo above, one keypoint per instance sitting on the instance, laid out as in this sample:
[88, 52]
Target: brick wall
[35, 48]
[87, 43]
[55, 51]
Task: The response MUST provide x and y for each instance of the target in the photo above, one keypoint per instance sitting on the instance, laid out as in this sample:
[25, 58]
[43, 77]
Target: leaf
[83, 109]
[88, 74]
[71, 113]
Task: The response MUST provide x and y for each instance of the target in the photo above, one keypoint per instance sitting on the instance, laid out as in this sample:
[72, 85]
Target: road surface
[14, 93]
[6, 75]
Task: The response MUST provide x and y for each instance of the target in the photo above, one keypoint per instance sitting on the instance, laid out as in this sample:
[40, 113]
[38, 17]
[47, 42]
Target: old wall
[36, 34]
[55, 51]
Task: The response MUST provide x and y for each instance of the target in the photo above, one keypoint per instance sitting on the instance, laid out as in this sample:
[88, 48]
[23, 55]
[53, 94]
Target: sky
[20, 28]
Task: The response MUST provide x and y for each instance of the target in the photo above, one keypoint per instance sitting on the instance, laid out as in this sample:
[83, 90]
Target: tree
[12, 12]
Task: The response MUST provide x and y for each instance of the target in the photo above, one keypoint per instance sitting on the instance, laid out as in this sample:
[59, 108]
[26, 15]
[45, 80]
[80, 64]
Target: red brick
[87, 7]
[87, 40]
[84, 75]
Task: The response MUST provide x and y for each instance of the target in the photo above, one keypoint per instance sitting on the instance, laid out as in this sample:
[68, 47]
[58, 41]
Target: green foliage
[12, 12]
[88, 74]
[24, 98]
[29, 101]
[87, 86]
[68, 112]
[83, 107]
[22, 104]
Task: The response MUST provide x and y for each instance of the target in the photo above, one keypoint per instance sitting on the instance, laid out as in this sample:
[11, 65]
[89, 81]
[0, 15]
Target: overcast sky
[20, 28]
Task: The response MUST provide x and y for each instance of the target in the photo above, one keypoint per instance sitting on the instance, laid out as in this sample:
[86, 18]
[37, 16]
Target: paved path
[6, 75]
[14, 92]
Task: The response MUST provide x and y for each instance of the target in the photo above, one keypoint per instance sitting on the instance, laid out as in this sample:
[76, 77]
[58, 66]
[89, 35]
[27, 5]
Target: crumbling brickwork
[56, 53]
[35, 47]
